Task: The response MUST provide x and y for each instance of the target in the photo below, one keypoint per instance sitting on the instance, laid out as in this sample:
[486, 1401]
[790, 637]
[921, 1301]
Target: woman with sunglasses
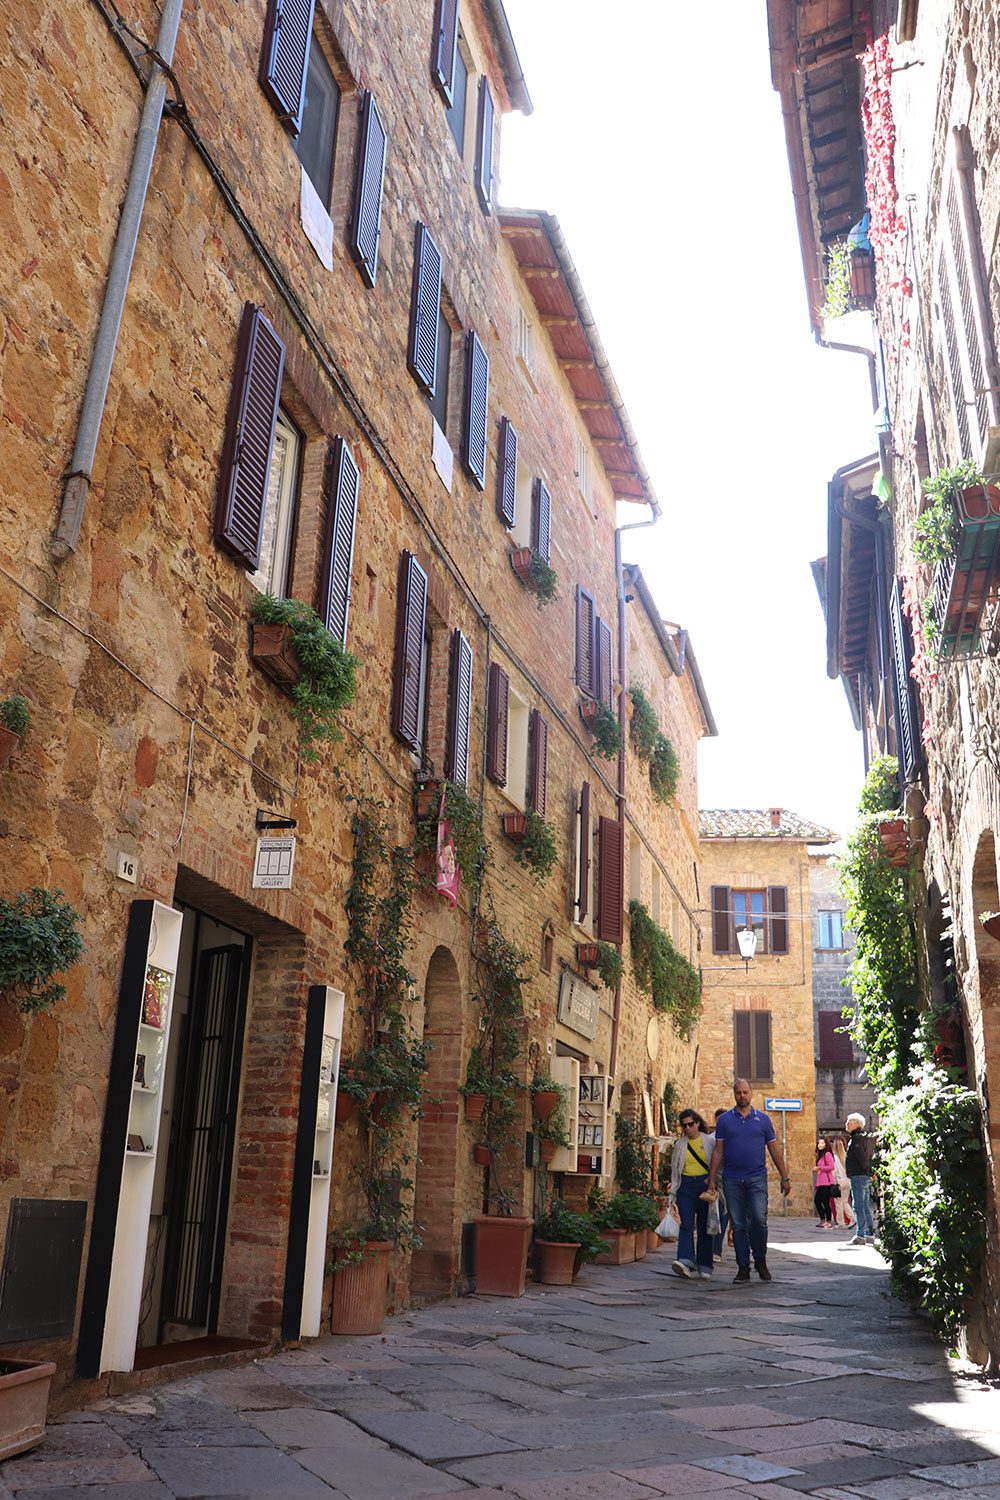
[688, 1180]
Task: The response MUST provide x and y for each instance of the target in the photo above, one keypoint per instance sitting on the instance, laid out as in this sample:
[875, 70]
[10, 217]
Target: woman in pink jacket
[825, 1173]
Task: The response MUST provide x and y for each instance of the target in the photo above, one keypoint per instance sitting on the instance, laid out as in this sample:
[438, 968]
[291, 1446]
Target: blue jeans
[861, 1190]
[693, 1213]
[747, 1201]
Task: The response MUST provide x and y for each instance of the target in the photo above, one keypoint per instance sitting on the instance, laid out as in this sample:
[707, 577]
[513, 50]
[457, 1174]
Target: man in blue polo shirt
[742, 1137]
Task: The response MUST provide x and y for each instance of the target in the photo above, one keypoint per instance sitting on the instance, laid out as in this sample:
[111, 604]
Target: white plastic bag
[668, 1225]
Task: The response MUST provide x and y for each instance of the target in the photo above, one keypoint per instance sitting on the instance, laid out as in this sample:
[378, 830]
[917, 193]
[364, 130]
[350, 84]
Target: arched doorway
[435, 1266]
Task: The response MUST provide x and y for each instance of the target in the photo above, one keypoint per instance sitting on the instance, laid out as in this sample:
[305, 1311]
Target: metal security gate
[200, 1170]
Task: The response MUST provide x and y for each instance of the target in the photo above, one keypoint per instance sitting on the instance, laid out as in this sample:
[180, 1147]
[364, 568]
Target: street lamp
[747, 939]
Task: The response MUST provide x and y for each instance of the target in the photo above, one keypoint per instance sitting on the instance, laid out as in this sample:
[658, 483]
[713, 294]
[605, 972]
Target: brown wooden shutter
[583, 864]
[541, 520]
[408, 670]
[761, 1043]
[963, 300]
[340, 494]
[584, 640]
[249, 439]
[421, 355]
[497, 715]
[445, 44]
[834, 1043]
[484, 145]
[603, 663]
[777, 907]
[742, 1056]
[366, 220]
[507, 474]
[610, 924]
[722, 941]
[285, 58]
[538, 762]
[456, 766]
[477, 401]
[908, 748]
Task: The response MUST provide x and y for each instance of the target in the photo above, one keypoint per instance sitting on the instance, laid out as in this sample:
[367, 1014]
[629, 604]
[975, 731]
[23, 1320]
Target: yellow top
[693, 1167]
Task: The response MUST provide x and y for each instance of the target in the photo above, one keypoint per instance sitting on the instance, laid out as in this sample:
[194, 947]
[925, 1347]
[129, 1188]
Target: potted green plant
[617, 1220]
[559, 1234]
[501, 1235]
[537, 850]
[652, 746]
[465, 820]
[553, 1130]
[838, 280]
[603, 725]
[894, 836]
[957, 534]
[535, 573]
[38, 939]
[545, 1095]
[14, 721]
[513, 826]
[610, 965]
[672, 983]
[287, 635]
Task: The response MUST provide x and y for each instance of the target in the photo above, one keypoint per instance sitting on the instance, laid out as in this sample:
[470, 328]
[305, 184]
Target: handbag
[835, 1190]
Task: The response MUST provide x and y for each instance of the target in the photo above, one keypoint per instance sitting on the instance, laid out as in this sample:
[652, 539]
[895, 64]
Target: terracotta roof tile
[757, 823]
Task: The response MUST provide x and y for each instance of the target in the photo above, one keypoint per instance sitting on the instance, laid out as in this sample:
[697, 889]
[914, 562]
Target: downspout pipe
[77, 485]
[654, 516]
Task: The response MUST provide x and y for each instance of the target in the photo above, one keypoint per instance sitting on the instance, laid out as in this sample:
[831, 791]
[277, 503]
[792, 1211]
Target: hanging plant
[606, 731]
[466, 820]
[328, 681]
[14, 714]
[537, 850]
[936, 531]
[838, 280]
[493, 1065]
[610, 965]
[665, 975]
[652, 745]
[388, 1067]
[38, 938]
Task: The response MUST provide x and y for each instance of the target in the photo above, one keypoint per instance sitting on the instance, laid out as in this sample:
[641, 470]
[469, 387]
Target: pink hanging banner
[449, 875]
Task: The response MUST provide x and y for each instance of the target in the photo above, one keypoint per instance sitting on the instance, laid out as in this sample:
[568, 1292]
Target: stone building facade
[757, 1020]
[910, 93]
[345, 375]
[841, 1085]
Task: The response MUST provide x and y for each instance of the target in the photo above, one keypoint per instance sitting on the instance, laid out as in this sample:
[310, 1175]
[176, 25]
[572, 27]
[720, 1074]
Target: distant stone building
[841, 1086]
[757, 1020]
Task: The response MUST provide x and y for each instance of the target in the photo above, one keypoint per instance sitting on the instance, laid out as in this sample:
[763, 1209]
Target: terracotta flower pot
[482, 1156]
[359, 1291]
[992, 926]
[978, 501]
[520, 561]
[10, 743]
[272, 651]
[894, 835]
[474, 1106]
[639, 1251]
[547, 1150]
[345, 1107]
[501, 1255]
[24, 1399]
[543, 1102]
[621, 1247]
[514, 825]
[555, 1262]
[428, 797]
[653, 1241]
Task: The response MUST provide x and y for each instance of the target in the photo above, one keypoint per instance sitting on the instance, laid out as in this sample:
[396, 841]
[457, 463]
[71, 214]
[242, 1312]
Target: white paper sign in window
[316, 222]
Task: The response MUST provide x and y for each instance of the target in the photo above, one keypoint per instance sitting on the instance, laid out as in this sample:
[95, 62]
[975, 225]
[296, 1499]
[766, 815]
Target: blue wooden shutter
[408, 670]
[484, 145]
[426, 306]
[445, 45]
[541, 521]
[604, 667]
[507, 473]
[366, 222]
[249, 438]
[459, 710]
[285, 58]
[477, 401]
[340, 493]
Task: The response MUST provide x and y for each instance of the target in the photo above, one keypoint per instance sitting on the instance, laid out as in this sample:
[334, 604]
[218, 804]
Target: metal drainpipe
[623, 686]
[853, 349]
[88, 431]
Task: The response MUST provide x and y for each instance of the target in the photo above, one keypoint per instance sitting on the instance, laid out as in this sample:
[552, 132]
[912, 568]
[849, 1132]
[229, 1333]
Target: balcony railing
[966, 593]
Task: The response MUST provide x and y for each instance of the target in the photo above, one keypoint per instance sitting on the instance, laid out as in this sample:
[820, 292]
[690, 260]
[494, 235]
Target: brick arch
[436, 1265]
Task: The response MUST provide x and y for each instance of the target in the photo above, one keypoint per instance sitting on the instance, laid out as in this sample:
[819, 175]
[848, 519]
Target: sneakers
[742, 1275]
[681, 1268]
[705, 1273]
[762, 1271]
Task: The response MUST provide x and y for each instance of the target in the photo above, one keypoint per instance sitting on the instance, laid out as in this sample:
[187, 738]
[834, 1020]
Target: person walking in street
[744, 1137]
[843, 1183]
[719, 1240]
[689, 1164]
[858, 1166]
[825, 1175]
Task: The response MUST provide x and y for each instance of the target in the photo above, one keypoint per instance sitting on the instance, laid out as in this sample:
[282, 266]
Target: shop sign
[579, 1005]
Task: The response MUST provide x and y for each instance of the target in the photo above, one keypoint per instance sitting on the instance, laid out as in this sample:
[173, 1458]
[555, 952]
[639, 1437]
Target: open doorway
[187, 1227]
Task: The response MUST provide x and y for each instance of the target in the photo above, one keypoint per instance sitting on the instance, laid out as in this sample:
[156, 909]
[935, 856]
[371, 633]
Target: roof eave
[517, 88]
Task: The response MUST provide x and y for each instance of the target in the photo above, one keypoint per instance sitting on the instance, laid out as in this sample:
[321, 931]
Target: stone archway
[435, 1266]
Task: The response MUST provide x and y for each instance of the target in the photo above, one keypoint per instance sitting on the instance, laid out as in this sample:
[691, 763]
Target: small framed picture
[597, 1090]
[136, 1143]
[155, 995]
[140, 1070]
[598, 1135]
[317, 1169]
[588, 1135]
[584, 1090]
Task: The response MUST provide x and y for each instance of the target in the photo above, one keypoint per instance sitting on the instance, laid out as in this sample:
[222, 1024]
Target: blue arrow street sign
[788, 1106]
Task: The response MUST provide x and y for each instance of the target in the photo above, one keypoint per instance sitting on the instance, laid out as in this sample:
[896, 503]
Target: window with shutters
[763, 911]
[442, 379]
[518, 726]
[285, 57]
[366, 218]
[477, 407]
[497, 722]
[903, 693]
[483, 164]
[456, 765]
[750, 913]
[634, 868]
[831, 929]
[538, 763]
[521, 531]
[609, 921]
[585, 640]
[315, 143]
[272, 575]
[425, 310]
[752, 1045]
[524, 340]
[456, 112]
[835, 1044]
[541, 519]
[581, 467]
[411, 655]
[341, 480]
[507, 451]
[604, 670]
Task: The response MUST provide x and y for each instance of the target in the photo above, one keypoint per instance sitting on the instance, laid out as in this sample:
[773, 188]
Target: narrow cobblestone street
[631, 1383]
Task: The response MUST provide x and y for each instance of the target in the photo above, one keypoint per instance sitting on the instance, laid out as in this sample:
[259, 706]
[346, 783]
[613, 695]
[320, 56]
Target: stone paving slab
[352, 1472]
[200, 1473]
[435, 1437]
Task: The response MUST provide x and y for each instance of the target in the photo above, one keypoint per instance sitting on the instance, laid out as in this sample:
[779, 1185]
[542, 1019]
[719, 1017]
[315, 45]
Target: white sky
[657, 141]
